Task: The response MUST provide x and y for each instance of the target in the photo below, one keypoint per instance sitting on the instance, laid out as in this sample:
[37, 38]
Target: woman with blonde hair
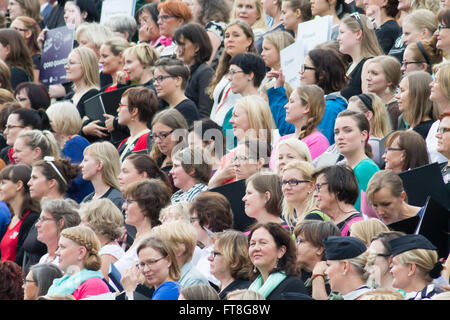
[419, 25]
[357, 38]
[78, 249]
[101, 166]
[198, 292]
[244, 294]
[288, 150]
[33, 145]
[174, 212]
[365, 230]
[298, 186]
[252, 12]
[29, 8]
[414, 266]
[93, 35]
[106, 220]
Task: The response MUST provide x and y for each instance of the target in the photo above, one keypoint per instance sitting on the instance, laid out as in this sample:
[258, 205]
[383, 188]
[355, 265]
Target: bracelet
[317, 275]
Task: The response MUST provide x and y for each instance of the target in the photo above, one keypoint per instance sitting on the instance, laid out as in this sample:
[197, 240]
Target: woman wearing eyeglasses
[297, 184]
[421, 56]
[443, 32]
[171, 78]
[443, 143]
[148, 29]
[144, 200]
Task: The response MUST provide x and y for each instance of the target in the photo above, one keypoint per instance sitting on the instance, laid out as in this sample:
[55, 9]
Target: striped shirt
[189, 195]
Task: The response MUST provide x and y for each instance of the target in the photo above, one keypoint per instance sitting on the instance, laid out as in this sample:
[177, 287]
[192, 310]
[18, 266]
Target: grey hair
[62, 209]
[122, 23]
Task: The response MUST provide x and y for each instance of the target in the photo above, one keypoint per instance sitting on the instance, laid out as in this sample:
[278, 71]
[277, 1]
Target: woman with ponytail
[78, 249]
[34, 145]
[352, 135]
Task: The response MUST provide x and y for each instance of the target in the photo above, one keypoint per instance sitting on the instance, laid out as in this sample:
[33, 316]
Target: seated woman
[309, 236]
[273, 255]
[137, 108]
[294, 12]
[66, 124]
[388, 198]
[336, 194]
[78, 255]
[101, 166]
[376, 113]
[352, 135]
[289, 150]
[230, 263]
[405, 150]
[263, 198]
[297, 184]
[171, 79]
[194, 48]
[32, 95]
[106, 220]
[346, 259]
[39, 279]
[33, 145]
[414, 266]
[367, 229]
[190, 173]
[419, 112]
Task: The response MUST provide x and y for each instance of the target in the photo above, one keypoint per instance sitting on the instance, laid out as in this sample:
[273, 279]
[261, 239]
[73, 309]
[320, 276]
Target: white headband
[50, 160]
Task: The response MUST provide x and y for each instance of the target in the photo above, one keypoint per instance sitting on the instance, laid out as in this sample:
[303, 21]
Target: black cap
[341, 248]
[410, 242]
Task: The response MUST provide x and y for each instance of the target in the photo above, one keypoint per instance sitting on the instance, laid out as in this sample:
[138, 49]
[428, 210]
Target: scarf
[69, 283]
[271, 283]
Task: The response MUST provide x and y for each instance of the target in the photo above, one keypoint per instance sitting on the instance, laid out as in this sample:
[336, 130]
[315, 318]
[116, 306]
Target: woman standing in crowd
[137, 108]
[194, 48]
[418, 25]
[229, 261]
[382, 79]
[148, 29]
[273, 255]
[336, 194]
[101, 166]
[419, 112]
[405, 150]
[421, 56]
[78, 255]
[298, 193]
[39, 279]
[171, 79]
[367, 229]
[352, 134]
[239, 38]
[106, 220]
[32, 95]
[33, 145]
[294, 12]
[112, 60]
[17, 56]
[360, 42]
[251, 12]
[56, 215]
[28, 8]
[442, 34]
[388, 198]
[25, 211]
[289, 150]
[324, 8]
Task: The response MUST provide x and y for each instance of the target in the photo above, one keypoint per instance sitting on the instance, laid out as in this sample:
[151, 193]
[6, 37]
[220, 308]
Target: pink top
[90, 287]
[317, 144]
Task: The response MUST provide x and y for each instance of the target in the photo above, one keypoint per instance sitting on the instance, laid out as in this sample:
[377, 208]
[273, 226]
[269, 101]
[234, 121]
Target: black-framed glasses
[214, 254]
[160, 79]
[392, 149]
[293, 182]
[10, 126]
[25, 281]
[165, 17]
[441, 26]
[141, 265]
[405, 63]
[304, 67]
[162, 135]
[193, 219]
[358, 18]
[233, 72]
[319, 186]
[442, 130]
[19, 29]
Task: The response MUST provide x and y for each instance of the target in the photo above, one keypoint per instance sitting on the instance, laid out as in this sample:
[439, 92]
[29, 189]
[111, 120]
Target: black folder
[234, 192]
[424, 181]
[104, 102]
[408, 225]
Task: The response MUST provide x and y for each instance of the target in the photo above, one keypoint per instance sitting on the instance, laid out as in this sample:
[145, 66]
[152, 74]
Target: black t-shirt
[189, 110]
[423, 128]
[354, 85]
[387, 33]
[398, 49]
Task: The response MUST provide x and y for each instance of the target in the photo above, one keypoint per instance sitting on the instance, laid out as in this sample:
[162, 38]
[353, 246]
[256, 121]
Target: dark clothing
[342, 224]
[235, 285]
[353, 87]
[188, 109]
[259, 41]
[56, 16]
[398, 49]
[105, 80]
[18, 76]
[25, 228]
[4, 155]
[423, 128]
[33, 249]
[80, 105]
[291, 288]
[199, 81]
[36, 61]
[387, 33]
[112, 194]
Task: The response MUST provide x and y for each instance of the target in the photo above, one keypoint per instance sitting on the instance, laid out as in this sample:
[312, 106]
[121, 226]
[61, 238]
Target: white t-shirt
[431, 142]
[112, 249]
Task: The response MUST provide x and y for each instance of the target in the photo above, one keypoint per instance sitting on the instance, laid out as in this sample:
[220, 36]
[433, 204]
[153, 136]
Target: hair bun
[436, 271]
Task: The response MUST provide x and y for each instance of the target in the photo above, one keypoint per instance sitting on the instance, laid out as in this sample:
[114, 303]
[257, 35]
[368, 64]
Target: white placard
[114, 7]
[291, 59]
[314, 32]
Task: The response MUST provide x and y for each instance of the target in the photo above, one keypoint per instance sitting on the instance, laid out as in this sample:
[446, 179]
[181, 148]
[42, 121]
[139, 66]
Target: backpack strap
[346, 228]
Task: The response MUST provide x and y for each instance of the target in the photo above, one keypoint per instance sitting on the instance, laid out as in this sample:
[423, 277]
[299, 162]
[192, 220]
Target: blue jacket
[334, 103]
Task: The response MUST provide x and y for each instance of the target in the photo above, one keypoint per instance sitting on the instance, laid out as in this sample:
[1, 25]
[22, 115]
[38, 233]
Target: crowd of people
[134, 206]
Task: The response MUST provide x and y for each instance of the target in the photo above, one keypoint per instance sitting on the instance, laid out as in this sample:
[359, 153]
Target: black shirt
[423, 128]
[199, 81]
[353, 87]
[235, 285]
[387, 33]
[189, 110]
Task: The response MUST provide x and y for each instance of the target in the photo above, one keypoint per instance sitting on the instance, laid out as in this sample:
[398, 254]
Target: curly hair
[11, 281]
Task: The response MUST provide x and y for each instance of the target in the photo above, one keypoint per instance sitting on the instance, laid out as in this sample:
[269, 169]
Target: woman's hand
[109, 122]
[41, 38]
[221, 175]
[93, 129]
[131, 277]
[121, 77]
[320, 268]
[279, 76]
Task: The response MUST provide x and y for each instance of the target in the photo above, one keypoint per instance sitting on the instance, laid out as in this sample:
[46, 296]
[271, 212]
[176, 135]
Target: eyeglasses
[19, 29]
[149, 263]
[319, 186]
[233, 72]
[293, 182]
[28, 281]
[441, 26]
[165, 17]
[162, 135]
[392, 149]
[239, 159]
[122, 106]
[405, 63]
[144, 21]
[160, 79]
[358, 18]
[42, 220]
[304, 67]
[442, 130]
[214, 254]
[193, 219]
[11, 126]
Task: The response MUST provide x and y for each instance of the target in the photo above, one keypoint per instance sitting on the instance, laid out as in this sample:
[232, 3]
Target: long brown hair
[19, 55]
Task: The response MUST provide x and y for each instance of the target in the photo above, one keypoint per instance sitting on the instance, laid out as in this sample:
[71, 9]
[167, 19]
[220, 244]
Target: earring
[276, 264]
[254, 269]
[249, 79]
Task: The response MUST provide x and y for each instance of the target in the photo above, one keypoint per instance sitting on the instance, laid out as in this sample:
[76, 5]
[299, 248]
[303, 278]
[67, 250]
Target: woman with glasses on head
[24, 211]
[336, 194]
[297, 185]
[144, 200]
[171, 78]
[172, 15]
